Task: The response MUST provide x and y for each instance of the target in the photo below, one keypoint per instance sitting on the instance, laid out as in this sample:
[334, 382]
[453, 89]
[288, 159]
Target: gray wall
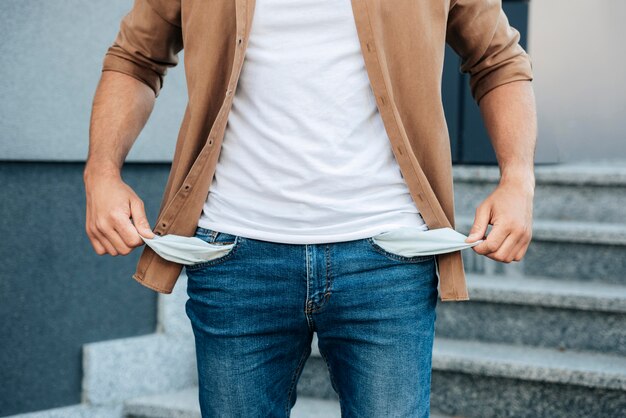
[52, 55]
[56, 293]
[580, 82]
[56, 49]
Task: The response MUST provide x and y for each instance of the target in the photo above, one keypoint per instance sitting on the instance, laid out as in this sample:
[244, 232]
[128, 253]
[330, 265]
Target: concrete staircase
[545, 337]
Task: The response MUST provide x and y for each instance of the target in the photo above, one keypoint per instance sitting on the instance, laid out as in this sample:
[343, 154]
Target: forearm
[510, 117]
[121, 108]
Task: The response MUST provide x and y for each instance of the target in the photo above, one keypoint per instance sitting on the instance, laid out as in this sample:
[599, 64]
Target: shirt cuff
[152, 79]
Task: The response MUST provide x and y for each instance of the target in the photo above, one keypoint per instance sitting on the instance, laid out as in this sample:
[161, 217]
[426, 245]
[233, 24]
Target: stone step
[539, 312]
[118, 369]
[479, 379]
[485, 380]
[75, 411]
[184, 404]
[571, 367]
[583, 251]
[178, 404]
[575, 191]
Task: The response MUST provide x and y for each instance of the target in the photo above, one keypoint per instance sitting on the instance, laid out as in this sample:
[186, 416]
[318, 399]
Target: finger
[481, 223]
[138, 216]
[125, 229]
[523, 237]
[91, 235]
[97, 246]
[494, 240]
[114, 238]
[521, 252]
[110, 249]
[506, 252]
[120, 246]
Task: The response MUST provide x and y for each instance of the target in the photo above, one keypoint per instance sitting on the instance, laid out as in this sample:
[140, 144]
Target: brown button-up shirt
[402, 42]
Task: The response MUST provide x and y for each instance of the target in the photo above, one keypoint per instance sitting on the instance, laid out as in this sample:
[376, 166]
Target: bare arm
[121, 108]
[133, 70]
[510, 116]
[500, 72]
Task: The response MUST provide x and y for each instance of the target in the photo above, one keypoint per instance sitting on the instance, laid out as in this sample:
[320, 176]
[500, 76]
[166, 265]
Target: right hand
[115, 215]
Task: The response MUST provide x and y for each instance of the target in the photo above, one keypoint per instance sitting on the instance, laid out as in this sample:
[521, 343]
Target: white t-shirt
[305, 157]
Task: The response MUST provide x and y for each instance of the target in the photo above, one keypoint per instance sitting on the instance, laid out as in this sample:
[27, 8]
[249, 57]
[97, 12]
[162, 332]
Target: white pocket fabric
[410, 242]
[403, 241]
[186, 250]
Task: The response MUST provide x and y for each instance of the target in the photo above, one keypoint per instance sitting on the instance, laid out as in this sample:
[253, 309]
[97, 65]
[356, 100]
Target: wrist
[520, 176]
[101, 169]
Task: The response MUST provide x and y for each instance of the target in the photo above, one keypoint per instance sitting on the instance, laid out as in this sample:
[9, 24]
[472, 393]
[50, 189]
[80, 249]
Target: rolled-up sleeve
[147, 43]
[480, 33]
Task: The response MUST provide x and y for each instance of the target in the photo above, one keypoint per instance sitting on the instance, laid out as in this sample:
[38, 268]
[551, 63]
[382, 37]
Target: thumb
[138, 214]
[481, 222]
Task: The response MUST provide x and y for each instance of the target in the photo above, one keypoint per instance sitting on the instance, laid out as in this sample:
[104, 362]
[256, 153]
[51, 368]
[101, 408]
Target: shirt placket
[199, 167]
[417, 183]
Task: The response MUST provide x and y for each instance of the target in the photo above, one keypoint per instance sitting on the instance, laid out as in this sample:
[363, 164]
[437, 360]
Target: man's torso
[305, 156]
[402, 43]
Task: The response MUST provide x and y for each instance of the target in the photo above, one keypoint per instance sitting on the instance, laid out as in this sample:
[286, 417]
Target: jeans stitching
[206, 231]
[309, 319]
[329, 275]
[327, 291]
[294, 379]
[334, 382]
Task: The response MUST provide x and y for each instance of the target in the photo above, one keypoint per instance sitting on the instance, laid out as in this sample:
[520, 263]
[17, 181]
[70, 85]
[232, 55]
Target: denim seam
[327, 292]
[309, 320]
[206, 232]
[334, 382]
[294, 379]
[329, 275]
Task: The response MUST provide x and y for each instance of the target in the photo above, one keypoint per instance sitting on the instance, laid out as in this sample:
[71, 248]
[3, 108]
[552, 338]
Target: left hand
[509, 208]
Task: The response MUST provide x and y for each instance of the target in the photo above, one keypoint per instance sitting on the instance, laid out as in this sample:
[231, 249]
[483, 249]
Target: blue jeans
[254, 310]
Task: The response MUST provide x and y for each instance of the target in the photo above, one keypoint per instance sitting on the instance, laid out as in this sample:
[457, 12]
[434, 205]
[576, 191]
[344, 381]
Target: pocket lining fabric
[396, 257]
[232, 248]
[411, 243]
[190, 251]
